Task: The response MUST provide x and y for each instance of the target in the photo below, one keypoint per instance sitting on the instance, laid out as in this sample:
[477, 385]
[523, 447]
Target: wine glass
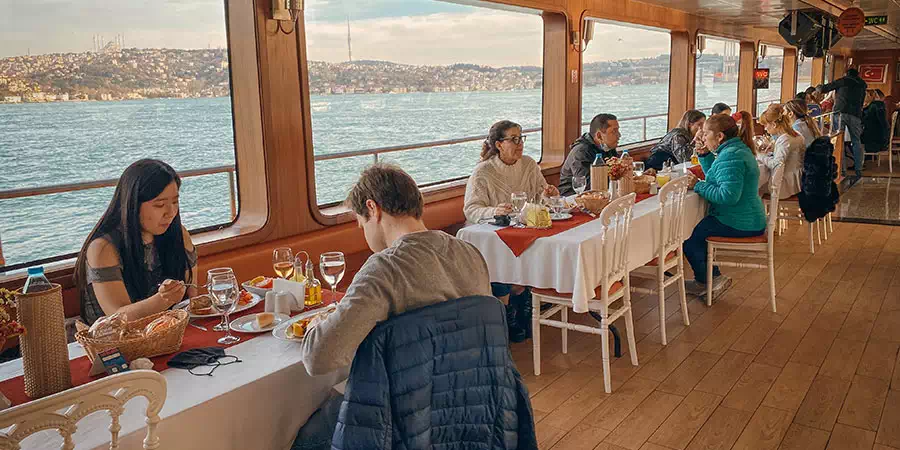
[222, 325]
[638, 168]
[579, 184]
[518, 203]
[224, 289]
[283, 262]
[332, 266]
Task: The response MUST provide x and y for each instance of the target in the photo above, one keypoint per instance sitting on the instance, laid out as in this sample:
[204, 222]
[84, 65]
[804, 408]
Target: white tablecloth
[257, 404]
[569, 261]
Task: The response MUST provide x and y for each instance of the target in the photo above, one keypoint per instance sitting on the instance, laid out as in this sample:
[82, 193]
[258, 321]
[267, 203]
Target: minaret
[349, 47]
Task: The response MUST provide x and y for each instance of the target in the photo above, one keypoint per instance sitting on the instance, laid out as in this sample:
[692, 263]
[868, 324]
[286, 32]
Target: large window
[626, 73]
[85, 92]
[804, 73]
[716, 77]
[774, 61]
[408, 74]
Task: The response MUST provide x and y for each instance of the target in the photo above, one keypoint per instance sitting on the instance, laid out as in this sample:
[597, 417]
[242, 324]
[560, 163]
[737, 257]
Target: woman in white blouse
[503, 170]
[801, 122]
[789, 150]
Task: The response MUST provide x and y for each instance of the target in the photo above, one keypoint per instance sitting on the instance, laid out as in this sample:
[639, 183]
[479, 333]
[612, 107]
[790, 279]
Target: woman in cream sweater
[503, 170]
[789, 150]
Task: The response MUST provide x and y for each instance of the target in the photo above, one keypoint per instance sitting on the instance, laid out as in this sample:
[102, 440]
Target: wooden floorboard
[821, 373]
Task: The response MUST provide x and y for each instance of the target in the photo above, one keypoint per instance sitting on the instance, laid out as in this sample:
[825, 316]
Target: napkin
[298, 290]
[537, 216]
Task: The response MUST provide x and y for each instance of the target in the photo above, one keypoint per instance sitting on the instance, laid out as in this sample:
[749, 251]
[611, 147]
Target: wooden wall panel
[789, 74]
[818, 72]
[680, 76]
[890, 58]
[555, 89]
[746, 93]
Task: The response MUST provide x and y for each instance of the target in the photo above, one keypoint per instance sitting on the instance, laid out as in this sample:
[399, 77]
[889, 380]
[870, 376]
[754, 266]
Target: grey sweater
[418, 270]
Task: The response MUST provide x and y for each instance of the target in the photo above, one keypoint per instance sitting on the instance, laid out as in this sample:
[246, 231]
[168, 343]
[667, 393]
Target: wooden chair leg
[818, 233]
[772, 278]
[604, 351]
[629, 325]
[709, 272]
[565, 331]
[682, 293]
[812, 245]
[536, 332]
[661, 294]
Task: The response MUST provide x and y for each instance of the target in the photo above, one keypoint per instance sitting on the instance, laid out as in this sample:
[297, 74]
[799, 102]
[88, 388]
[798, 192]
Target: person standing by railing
[848, 107]
[602, 140]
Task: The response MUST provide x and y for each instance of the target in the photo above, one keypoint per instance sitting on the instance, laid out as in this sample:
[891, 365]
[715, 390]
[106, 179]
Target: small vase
[613, 189]
[626, 185]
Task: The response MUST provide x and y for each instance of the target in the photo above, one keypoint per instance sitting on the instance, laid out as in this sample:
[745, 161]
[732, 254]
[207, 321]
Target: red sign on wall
[873, 73]
[851, 22]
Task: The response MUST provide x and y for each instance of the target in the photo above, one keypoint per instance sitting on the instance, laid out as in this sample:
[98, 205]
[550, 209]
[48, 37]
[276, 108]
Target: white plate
[184, 304]
[561, 216]
[247, 324]
[279, 331]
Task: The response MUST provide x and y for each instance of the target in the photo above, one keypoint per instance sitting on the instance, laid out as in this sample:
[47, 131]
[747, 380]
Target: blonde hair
[801, 111]
[776, 115]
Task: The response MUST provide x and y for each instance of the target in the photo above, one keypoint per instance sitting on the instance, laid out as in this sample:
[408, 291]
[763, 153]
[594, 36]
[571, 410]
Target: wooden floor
[822, 373]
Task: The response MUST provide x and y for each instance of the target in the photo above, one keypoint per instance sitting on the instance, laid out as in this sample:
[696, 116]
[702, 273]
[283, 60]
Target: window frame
[554, 21]
[249, 192]
[720, 37]
[665, 115]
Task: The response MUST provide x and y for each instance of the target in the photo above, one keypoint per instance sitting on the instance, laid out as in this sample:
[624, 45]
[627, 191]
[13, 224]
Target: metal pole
[231, 193]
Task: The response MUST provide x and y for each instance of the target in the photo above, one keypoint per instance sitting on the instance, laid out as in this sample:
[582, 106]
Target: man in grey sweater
[412, 267]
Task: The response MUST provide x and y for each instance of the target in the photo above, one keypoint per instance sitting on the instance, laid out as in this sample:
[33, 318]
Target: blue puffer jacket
[731, 185]
[437, 377]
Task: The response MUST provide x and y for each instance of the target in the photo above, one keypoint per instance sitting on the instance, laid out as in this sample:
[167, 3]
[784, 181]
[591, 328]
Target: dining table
[570, 261]
[259, 403]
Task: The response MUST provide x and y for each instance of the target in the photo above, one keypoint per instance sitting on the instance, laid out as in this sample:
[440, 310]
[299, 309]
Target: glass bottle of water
[36, 281]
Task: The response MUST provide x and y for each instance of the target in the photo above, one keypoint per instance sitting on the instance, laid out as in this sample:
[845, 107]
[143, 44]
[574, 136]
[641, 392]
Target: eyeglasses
[516, 139]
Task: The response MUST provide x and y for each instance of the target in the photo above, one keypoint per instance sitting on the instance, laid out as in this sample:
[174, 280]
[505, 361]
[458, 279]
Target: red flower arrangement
[8, 326]
[619, 167]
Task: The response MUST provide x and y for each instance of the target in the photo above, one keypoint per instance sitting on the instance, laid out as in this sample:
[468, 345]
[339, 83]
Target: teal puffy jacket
[731, 186]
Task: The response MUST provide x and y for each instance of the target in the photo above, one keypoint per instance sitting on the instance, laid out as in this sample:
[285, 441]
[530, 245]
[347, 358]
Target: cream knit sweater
[493, 183]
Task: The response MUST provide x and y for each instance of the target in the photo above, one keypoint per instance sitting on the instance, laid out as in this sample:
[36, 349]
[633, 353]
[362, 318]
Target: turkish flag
[872, 73]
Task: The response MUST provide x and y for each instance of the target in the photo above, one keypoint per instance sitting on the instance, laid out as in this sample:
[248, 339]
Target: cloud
[612, 42]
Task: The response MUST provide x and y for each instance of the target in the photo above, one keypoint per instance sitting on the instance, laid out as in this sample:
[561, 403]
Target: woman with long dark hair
[677, 145]
[138, 257]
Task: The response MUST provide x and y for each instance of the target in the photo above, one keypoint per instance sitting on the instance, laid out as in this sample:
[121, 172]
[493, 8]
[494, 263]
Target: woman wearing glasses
[502, 171]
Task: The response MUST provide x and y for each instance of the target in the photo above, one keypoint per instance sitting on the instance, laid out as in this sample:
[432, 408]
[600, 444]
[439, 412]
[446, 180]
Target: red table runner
[519, 239]
[14, 388]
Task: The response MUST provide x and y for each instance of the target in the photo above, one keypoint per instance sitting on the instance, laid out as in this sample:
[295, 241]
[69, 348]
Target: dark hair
[852, 72]
[719, 108]
[689, 118]
[879, 93]
[801, 111]
[392, 189]
[801, 96]
[141, 182]
[600, 122]
[497, 133]
[810, 90]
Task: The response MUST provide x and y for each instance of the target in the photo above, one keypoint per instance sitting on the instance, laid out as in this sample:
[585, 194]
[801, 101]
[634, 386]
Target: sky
[423, 32]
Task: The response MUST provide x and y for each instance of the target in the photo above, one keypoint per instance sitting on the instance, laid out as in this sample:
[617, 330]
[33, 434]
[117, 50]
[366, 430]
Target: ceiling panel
[768, 14]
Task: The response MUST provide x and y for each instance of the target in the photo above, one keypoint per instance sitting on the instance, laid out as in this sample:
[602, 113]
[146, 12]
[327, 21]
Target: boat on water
[487, 203]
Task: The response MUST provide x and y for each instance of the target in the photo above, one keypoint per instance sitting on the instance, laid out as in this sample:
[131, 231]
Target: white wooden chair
[742, 249]
[671, 232]
[789, 209]
[614, 285]
[107, 394]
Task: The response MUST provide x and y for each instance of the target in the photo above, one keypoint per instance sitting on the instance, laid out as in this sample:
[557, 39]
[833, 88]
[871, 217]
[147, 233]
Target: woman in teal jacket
[730, 187]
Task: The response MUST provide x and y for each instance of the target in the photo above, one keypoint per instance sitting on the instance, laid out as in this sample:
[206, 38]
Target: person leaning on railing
[139, 256]
[504, 169]
[730, 186]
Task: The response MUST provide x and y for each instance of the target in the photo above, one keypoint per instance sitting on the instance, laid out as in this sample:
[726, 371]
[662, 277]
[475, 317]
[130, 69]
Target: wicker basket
[162, 343]
[642, 184]
[593, 201]
[45, 352]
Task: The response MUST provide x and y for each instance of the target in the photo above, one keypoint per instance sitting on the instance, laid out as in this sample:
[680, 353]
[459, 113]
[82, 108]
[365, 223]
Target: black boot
[522, 303]
[516, 332]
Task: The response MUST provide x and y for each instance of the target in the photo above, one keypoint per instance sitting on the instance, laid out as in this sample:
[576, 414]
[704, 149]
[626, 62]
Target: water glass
[224, 290]
[332, 266]
[556, 205]
[579, 184]
[283, 262]
[638, 168]
[518, 203]
[222, 325]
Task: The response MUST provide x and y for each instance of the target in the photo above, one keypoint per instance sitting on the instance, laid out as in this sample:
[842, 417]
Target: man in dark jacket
[412, 267]
[602, 140]
[848, 108]
[875, 124]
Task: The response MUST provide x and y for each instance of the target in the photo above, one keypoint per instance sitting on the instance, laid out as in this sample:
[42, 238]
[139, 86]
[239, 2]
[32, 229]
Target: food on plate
[201, 305]
[109, 328]
[264, 319]
[298, 329]
[160, 324]
[593, 201]
[245, 298]
[262, 282]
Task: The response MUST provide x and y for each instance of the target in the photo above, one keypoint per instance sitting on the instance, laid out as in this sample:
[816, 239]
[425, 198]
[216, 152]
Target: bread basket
[642, 184]
[159, 343]
[593, 201]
